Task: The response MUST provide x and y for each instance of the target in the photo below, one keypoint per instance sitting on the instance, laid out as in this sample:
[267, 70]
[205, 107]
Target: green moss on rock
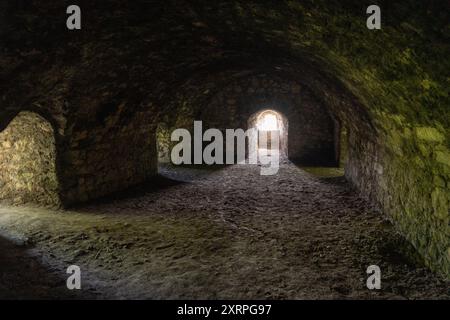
[429, 134]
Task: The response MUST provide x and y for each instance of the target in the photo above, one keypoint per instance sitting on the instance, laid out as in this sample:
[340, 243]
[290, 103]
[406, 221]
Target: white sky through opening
[268, 122]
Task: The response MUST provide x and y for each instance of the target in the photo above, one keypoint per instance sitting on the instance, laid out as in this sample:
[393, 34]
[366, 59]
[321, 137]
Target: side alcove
[28, 161]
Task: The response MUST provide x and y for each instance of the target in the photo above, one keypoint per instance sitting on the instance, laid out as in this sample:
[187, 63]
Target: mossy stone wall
[28, 161]
[407, 175]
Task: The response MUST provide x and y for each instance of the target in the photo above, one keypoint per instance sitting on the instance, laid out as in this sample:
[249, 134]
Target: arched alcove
[28, 161]
[163, 143]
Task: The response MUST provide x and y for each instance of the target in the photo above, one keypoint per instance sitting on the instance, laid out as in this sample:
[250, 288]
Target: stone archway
[271, 122]
[163, 142]
[28, 161]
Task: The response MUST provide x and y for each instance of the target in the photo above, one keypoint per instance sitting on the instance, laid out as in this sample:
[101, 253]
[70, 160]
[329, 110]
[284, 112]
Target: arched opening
[28, 161]
[269, 123]
[163, 143]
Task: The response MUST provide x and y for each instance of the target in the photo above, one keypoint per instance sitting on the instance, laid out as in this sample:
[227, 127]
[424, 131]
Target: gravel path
[229, 233]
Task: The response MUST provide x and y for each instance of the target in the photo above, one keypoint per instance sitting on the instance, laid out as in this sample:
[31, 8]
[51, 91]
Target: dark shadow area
[23, 277]
[187, 173]
[157, 183]
[324, 173]
[311, 159]
[336, 181]
[168, 176]
[396, 250]
[203, 167]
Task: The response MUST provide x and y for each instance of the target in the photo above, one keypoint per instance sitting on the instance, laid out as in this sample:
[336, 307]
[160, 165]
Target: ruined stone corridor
[217, 234]
[123, 126]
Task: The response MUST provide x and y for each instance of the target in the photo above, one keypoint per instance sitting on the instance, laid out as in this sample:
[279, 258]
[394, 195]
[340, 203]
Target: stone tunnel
[86, 115]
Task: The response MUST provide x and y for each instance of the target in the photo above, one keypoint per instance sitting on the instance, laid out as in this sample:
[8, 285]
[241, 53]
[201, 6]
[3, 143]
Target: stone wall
[408, 178]
[94, 159]
[110, 156]
[28, 161]
[311, 129]
[392, 97]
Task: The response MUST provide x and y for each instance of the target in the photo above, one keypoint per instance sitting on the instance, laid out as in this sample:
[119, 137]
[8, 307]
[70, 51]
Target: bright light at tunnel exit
[268, 122]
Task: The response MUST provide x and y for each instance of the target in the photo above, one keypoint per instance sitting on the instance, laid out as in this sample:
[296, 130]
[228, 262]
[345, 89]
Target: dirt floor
[204, 234]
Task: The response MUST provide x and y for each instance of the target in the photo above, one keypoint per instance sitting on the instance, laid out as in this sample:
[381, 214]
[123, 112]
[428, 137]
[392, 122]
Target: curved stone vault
[105, 89]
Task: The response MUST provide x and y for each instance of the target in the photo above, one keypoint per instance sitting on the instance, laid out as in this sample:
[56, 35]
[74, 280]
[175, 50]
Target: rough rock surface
[105, 88]
[228, 233]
